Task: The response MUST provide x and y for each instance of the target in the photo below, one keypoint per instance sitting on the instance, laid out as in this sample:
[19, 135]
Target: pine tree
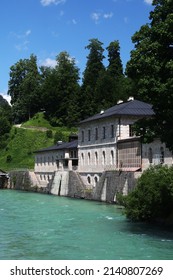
[94, 67]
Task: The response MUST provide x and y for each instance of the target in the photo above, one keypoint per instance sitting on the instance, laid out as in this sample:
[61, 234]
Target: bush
[59, 136]
[152, 199]
[9, 158]
[49, 133]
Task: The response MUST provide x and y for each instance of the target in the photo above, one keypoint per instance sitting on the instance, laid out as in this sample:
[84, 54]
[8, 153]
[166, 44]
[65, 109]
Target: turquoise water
[36, 226]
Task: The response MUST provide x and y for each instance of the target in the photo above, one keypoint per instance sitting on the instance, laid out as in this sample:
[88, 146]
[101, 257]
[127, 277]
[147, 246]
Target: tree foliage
[94, 69]
[151, 67]
[102, 86]
[152, 199]
[24, 88]
[5, 121]
[60, 89]
[57, 91]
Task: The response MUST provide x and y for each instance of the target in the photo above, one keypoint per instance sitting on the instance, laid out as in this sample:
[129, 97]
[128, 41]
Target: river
[39, 227]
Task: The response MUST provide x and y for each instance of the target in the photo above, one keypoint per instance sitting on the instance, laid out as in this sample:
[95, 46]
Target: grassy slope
[23, 142]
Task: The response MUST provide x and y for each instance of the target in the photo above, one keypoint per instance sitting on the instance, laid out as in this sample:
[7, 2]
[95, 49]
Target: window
[82, 136]
[89, 179]
[96, 158]
[150, 155]
[103, 158]
[89, 135]
[75, 154]
[162, 155]
[82, 159]
[112, 157]
[96, 133]
[95, 180]
[89, 157]
[112, 131]
[131, 130]
[71, 154]
[104, 132]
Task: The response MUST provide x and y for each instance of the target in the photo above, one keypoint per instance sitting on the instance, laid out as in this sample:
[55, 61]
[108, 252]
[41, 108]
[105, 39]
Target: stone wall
[110, 184]
[3, 182]
[113, 182]
[22, 180]
[76, 187]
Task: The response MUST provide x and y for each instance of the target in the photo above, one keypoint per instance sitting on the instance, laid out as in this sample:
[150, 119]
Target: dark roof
[63, 146]
[129, 108]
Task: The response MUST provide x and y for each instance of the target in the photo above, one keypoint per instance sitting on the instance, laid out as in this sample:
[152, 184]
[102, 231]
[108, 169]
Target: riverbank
[70, 184]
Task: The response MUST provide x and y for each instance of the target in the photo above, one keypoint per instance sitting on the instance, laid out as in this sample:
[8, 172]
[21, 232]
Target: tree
[94, 68]
[151, 67]
[24, 88]
[5, 121]
[60, 87]
[152, 199]
[115, 67]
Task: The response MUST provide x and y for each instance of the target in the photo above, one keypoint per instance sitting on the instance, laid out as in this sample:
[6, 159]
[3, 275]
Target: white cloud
[5, 96]
[74, 21]
[49, 2]
[28, 32]
[96, 16]
[48, 62]
[22, 41]
[106, 16]
[22, 46]
[148, 2]
[21, 35]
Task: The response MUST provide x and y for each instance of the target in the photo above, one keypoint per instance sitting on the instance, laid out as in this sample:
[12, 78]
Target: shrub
[59, 136]
[9, 158]
[49, 134]
[152, 199]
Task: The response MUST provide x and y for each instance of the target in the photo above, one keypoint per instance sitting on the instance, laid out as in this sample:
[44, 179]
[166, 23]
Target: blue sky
[47, 27]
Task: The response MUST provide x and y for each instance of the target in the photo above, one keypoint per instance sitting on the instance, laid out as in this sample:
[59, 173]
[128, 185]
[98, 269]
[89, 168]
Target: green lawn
[19, 152]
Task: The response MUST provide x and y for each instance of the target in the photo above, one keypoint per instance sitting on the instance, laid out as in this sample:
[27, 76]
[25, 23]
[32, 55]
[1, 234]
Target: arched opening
[89, 158]
[112, 157]
[89, 180]
[103, 158]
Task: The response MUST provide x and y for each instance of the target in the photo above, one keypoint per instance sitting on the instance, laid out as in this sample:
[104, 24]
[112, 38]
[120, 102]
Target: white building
[59, 157]
[106, 142]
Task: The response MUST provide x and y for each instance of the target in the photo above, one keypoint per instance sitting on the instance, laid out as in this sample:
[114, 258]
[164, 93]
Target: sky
[47, 27]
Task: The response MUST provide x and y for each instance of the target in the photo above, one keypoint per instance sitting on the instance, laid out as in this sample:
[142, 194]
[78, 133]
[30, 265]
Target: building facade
[106, 142]
[60, 157]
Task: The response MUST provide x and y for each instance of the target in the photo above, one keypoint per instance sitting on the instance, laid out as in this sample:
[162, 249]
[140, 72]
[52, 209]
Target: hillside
[27, 138]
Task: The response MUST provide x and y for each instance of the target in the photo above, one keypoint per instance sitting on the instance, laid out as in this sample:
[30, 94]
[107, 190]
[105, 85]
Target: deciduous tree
[151, 67]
